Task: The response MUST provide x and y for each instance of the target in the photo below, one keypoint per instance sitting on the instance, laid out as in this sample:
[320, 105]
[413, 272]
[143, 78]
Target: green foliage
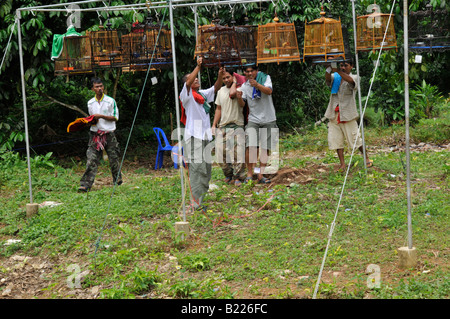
[424, 98]
[10, 133]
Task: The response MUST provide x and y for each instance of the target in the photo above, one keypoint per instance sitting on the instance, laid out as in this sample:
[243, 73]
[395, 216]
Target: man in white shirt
[261, 130]
[197, 132]
[101, 136]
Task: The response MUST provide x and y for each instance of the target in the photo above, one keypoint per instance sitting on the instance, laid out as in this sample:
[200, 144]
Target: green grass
[252, 242]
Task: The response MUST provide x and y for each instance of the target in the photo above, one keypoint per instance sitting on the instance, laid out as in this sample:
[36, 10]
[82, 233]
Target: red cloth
[339, 115]
[80, 123]
[198, 98]
[100, 140]
[240, 79]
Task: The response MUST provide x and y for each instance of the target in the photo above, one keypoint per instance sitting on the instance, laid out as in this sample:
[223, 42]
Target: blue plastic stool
[167, 147]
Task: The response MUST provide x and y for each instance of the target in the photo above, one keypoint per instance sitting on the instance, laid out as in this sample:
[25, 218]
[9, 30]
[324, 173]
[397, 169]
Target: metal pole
[359, 86]
[24, 98]
[177, 105]
[196, 39]
[408, 173]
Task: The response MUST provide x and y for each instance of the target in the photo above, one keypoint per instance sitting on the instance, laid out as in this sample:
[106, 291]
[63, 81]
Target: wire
[333, 224]
[129, 137]
[7, 46]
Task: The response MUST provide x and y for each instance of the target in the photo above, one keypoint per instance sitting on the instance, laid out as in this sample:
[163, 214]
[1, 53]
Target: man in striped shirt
[101, 136]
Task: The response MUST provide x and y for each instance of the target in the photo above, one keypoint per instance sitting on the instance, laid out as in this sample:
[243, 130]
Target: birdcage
[323, 40]
[277, 42]
[75, 57]
[246, 39]
[142, 47]
[217, 45]
[429, 30]
[372, 29]
[106, 48]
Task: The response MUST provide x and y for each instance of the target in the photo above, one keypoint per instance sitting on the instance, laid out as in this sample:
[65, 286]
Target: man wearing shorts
[341, 111]
[261, 130]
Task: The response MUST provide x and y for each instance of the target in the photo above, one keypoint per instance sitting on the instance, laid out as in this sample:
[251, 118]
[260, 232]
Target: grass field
[253, 241]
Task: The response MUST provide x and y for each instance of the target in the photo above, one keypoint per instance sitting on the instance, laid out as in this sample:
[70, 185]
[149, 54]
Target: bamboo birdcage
[143, 47]
[429, 30]
[277, 42]
[246, 39]
[106, 48]
[371, 29]
[75, 57]
[217, 45]
[323, 40]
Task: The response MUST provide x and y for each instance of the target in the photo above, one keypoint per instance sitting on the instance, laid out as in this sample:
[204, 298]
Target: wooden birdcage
[246, 39]
[323, 40]
[75, 57]
[277, 42]
[429, 30]
[106, 48]
[142, 47]
[371, 29]
[217, 45]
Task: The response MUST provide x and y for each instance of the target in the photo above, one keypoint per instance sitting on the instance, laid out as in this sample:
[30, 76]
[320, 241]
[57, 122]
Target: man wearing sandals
[341, 112]
[101, 136]
[197, 132]
[228, 127]
[261, 130]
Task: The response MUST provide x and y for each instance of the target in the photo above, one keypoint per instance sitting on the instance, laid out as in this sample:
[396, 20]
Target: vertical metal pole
[359, 87]
[196, 39]
[177, 104]
[408, 173]
[24, 98]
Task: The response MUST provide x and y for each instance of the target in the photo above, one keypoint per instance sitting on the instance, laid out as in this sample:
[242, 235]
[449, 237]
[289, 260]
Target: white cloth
[106, 106]
[198, 123]
[262, 110]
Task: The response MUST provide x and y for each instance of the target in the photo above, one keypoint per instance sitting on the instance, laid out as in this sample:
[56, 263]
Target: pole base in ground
[32, 209]
[182, 230]
[407, 257]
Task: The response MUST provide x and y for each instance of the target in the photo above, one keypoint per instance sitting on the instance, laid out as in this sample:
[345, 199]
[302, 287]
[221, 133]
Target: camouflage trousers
[93, 159]
[230, 151]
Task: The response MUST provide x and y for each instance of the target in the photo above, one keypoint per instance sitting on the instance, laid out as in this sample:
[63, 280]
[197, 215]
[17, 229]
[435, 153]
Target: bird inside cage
[374, 31]
[218, 46]
[106, 48]
[323, 40]
[277, 42]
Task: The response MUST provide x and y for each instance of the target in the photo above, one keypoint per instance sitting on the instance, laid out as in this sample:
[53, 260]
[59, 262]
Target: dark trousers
[93, 159]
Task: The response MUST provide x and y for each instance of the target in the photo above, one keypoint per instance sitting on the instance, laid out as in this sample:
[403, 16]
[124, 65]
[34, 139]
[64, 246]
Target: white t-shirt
[262, 109]
[106, 106]
[198, 123]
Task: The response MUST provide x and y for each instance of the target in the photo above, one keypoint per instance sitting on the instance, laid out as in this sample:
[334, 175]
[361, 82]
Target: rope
[7, 46]
[128, 141]
[333, 224]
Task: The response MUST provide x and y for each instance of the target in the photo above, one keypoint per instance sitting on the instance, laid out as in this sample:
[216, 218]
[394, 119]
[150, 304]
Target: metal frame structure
[173, 4]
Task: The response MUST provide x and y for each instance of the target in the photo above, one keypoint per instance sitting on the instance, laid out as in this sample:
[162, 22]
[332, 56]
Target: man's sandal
[264, 180]
[228, 180]
[247, 179]
[83, 189]
[369, 163]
